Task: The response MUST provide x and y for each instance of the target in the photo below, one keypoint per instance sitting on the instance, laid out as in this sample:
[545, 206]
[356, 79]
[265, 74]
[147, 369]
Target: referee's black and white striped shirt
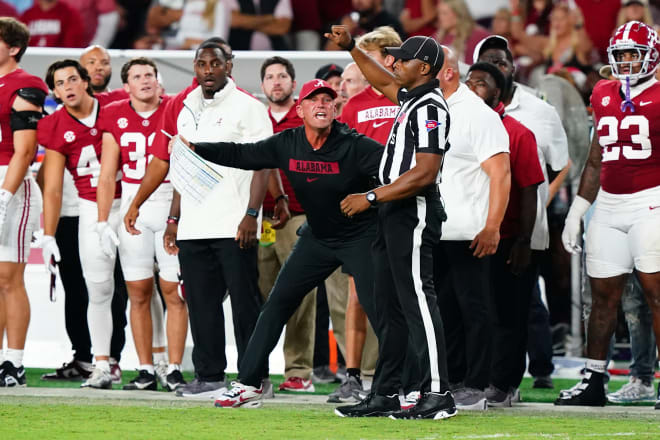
[420, 126]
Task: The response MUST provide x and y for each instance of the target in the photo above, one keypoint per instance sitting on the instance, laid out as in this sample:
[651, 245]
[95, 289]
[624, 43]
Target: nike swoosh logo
[311, 179]
[654, 207]
[643, 103]
[142, 386]
[379, 124]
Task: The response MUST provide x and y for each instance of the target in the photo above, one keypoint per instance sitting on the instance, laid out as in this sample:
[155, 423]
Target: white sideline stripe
[421, 298]
[558, 434]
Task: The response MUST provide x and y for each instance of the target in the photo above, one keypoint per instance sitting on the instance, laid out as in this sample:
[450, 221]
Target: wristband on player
[282, 196]
[172, 220]
[351, 45]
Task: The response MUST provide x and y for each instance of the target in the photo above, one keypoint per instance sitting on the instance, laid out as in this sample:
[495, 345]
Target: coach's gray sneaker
[200, 389]
[345, 392]
[324, 374]
[497, 398]
[470, 399]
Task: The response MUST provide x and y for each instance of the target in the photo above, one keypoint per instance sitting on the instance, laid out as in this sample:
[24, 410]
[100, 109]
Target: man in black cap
[410, 216]
[331, 73]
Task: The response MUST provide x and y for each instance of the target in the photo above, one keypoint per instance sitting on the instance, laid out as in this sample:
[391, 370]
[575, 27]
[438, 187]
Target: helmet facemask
[645, 55]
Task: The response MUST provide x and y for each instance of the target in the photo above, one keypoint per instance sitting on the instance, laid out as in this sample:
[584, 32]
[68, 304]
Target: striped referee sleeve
[430, 127]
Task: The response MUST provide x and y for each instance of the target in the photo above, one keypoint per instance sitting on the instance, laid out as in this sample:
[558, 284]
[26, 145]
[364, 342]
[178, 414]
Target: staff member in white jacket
[215, 237]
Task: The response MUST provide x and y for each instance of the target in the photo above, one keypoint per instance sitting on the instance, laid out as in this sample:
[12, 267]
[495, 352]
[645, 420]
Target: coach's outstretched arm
[380, 78]
[255, 156]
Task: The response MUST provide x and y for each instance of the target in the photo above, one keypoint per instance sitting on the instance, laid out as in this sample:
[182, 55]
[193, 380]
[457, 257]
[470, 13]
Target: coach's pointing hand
[354, 204]
[340, 36]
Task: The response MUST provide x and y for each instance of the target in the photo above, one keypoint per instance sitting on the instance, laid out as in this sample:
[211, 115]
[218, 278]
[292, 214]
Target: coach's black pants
[539, 340]
[511, 297]
[209, 267]
[311, 261]
[406, 300]
[76, 299]
[462, 282]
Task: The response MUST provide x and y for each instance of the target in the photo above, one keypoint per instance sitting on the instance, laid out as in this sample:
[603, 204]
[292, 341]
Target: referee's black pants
[511, 298]
[463, 285]
[76, 298]
[311, 261]
[209, 268]
[406, 300]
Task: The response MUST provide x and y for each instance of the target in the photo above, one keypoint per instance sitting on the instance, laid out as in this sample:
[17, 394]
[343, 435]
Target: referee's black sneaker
[434, 406]
[144, 381]
[588, 392]
[374, 405]
[11, 376]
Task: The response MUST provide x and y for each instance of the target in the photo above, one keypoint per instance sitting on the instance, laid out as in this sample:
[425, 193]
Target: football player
[72, 138]
[129, 127]
[624, 232]
[21, 100]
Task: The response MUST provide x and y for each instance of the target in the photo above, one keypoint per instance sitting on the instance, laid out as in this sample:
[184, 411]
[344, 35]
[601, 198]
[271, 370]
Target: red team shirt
[370, 114]
[525, 170]
[9, 85]
[630, 141]
[290, 120]
[60, 26]
[80, 144]
[134, 135]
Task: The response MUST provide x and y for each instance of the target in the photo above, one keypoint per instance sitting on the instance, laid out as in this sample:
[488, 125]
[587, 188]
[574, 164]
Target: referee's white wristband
[578, 208]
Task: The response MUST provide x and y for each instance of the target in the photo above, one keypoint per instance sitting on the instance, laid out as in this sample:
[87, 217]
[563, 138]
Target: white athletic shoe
[99, 379]
[240, 395]
[634, 391]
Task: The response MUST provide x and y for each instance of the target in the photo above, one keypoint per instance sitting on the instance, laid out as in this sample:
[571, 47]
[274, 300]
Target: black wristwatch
[282, 196]
[252, 212]
[372, 198]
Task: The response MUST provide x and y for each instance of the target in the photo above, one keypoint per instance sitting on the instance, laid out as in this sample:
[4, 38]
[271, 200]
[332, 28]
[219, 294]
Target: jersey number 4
[88, 165]
[612, 136]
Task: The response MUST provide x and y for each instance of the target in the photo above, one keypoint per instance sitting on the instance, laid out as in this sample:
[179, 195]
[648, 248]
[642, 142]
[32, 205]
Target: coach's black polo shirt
[320, 178]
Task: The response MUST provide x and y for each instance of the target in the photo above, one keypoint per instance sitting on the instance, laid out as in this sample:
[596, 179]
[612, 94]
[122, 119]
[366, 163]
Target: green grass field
[34, 417]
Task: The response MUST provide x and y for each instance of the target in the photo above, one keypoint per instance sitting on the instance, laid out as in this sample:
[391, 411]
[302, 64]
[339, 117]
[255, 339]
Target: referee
[410, 217]
[324, 161]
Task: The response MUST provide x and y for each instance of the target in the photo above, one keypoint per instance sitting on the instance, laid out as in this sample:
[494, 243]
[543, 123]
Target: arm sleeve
[369, 153]
[428, 125]
[106, 29]
[254, 156]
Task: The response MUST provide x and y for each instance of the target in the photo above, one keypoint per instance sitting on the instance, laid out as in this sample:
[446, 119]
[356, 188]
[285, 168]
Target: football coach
[325, 161]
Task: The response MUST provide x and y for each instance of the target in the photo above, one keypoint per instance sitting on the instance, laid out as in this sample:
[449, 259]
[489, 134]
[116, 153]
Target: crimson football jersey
[630, 140]
[80, 144]
[134, 135]
[370, 114]
[9, 85]
[59, 26]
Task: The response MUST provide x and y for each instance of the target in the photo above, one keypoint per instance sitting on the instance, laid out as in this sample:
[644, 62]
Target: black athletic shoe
[588, 392]
[373, 405]
[175, 380]
[434, 406]
[144, 381]
[74, 370]
[11, 376]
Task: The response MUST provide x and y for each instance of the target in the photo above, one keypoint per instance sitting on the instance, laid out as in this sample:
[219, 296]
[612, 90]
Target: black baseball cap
[328, 70]
[425, 49]
[491, 42]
